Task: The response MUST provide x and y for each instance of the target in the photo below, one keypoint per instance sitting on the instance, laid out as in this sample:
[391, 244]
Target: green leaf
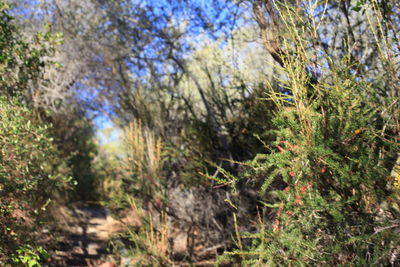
[33, 263]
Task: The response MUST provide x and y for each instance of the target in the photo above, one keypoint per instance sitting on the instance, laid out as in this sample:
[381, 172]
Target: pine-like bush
[326, 177]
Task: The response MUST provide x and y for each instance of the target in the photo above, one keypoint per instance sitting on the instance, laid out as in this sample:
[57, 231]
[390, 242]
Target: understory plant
[32, 170]
[30, 175]
[326, 178]
[140, 187]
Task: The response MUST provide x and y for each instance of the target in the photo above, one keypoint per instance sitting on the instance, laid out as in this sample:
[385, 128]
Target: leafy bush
[73, 135]
[31, 171]
[28, 256]
[22, 62]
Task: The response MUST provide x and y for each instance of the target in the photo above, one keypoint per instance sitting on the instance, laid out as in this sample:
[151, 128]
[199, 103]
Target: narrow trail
[88, 228]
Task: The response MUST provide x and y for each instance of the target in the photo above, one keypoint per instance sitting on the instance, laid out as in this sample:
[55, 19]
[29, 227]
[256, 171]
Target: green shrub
[22, 62]
[31, 172]
[325, 178]
[28, 256]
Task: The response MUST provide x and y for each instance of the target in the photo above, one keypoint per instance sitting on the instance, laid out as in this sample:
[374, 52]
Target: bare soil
[87, 229]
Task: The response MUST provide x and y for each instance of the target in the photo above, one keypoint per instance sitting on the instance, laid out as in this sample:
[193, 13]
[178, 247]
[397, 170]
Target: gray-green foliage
[22, 62]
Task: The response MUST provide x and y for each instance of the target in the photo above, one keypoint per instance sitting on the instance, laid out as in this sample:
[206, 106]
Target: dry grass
[152, 239]
[144, 150]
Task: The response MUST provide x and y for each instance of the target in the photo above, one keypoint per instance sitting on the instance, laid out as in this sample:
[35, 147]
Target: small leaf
[32, 263]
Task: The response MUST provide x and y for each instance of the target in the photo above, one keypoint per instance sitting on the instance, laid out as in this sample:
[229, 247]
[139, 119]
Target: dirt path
[88, 228]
